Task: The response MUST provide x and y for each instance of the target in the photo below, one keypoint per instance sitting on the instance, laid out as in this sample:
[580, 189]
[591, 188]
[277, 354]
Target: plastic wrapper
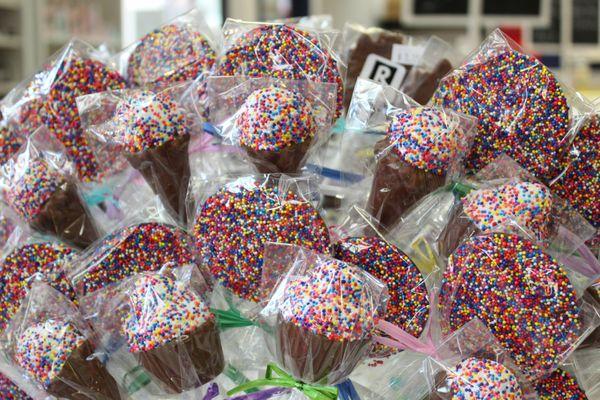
[160, 321]
[314, 22]
[585, 365]
[49, 341]
[277, 123]
[521, 107]
[522, 294]
[152, 130]
[321, 312]
[236, 216]
[281, 51]
[561, 384]
[11, 139]
[48, 98]
[38, 183]
[503, 197]
[422, 148]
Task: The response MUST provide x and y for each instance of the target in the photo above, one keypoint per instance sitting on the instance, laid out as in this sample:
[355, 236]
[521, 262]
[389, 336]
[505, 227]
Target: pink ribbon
[206, 145]
[402, 340]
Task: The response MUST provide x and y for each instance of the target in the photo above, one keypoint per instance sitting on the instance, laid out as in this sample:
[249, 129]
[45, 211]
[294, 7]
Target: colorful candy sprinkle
[6, 229]
[24, 263]
[408, 305]
[521, 109]
[282, 52]
[332, 300]
[235, 223]
[76, 77]
[146, 120]
[10, 141]
[479, 379]
[560, 385]
[31, 188]
[43, 349]
[172, 53]
[427, 138]
[521, 293]
[162, 310]
[579, 184]
[131, 250]
[10, 391]
[520, 205]
[272, 119]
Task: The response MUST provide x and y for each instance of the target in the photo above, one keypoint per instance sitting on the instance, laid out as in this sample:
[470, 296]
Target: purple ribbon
[211, 392]
[262, 395]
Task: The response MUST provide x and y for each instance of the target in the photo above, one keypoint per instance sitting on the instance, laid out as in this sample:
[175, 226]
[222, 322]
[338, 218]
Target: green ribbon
[277, 377]
[140, 379]
[237, 377]
[460, 189]
[232, 318]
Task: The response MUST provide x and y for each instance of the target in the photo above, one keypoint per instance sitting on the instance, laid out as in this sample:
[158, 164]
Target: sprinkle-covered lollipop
[10, 391]
[168, 323]
[521, 293]
[234, 224]
[10, 141]
[408, 305]
[276, 129]
[512, 207]
[153, 129]
[521, 109]
[58, 356]
[281, 51]
[560, 385]
[480, 379]
[420, 146]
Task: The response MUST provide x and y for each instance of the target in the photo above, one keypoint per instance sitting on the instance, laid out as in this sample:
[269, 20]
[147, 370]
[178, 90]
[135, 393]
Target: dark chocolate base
[397, 186]
[66, 217]
[286, 161]
[421, 85]
[459, 227]
[314, 358]
[83, 377]
[167, 170]
[202, 348]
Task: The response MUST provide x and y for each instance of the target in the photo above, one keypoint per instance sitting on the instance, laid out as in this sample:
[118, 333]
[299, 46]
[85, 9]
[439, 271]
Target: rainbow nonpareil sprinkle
[30, 189]
[331, 300]
[512, 205]
[162, 310]
[480, 379]
[559, 385]
[521, 293]
[408, 305]
[76, 77]
[172, 53]
[19, 268]
[234, 224]
[427, 138]
[521, 109]
[10, 391]
[128, 251]
[146, 120]
[284, 52]
[272, 119]
[10, 141]
[43, 349]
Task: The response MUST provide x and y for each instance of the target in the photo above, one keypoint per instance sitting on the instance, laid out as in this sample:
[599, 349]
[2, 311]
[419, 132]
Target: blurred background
[565, 35]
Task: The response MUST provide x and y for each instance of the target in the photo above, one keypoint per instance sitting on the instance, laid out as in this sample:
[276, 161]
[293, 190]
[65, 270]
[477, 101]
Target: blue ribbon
[347, 391]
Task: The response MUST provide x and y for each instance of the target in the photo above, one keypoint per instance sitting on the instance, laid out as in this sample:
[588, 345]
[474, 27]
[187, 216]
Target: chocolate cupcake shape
[276, 129]
[154, 132]
[169, 329]
[408, 303]
[325, 322]
[235, 223]
[420, 145]
[516, 207]
[481, 379]
[50, 202]
[522, 295]
[58, 356]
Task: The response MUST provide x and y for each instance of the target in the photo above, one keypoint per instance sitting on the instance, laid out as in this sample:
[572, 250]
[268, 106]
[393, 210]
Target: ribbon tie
[277, 377]
[232, 318]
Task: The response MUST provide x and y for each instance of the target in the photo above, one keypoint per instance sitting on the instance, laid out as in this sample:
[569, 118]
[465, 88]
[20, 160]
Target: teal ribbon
[277, 377]
[237, 377]
[232, 318]
[139, 380]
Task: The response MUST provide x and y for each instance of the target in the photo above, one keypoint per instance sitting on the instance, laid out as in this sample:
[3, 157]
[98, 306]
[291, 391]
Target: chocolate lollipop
[61, 359]
[234, 224]
[325, 322]
[559, 385]
[521, 109]
[284, 52]
[155, 135]
[417, 152]
[167, 324]
[408, 305]
[276, 129]
[50, 202]
[509, 207]
[521, 293]
[480, 379]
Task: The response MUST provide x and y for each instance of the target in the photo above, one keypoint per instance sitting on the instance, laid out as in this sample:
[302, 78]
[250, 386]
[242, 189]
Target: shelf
[10, 41]
[58, 39]
[10, 4]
